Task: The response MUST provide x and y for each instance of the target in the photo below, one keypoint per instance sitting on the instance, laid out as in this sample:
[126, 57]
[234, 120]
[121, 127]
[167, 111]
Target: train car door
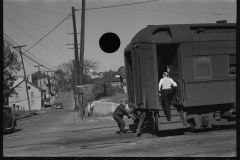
[168, 59]
[148, 72]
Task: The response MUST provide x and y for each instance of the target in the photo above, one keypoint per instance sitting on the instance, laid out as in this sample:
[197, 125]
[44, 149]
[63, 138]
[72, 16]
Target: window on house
[32, 94]
[44, 82]
[202, 67]
[232, 65]
[32, 103]
[29, 87]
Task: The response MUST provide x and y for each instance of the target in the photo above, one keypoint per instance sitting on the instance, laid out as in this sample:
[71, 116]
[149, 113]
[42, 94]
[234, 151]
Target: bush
[20, 113]
[117, 97]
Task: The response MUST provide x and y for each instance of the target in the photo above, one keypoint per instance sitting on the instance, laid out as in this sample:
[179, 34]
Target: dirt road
[57, 134]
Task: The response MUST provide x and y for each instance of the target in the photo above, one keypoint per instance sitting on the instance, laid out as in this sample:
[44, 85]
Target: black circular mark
[109, 42]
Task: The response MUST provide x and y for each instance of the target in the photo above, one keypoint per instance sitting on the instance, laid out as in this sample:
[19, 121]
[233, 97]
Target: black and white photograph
[119, 78]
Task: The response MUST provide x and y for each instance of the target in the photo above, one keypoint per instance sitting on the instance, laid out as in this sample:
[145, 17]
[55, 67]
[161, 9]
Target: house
[19, 100]
[97, 75]
[45, 84]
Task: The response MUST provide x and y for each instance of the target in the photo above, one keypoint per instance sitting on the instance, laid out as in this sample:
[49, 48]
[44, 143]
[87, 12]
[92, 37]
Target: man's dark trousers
[166, 97]
[120, 122]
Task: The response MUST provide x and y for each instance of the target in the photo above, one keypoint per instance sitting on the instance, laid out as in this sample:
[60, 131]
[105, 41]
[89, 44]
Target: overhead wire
[32, 37]
[172, 11]
[25, 59]
[49, 32]
[9, 43]
[39, 30]
[35, 8]
[13, 44]
[35, 28]
[128, 4]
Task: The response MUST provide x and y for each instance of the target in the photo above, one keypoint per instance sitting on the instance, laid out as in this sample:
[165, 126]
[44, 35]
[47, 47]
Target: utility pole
[76, 60]
[82, 51]
[82, 40]
[25, 78]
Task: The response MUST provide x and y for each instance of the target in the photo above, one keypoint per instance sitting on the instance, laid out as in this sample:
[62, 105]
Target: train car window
[202, 67]
[232, 65]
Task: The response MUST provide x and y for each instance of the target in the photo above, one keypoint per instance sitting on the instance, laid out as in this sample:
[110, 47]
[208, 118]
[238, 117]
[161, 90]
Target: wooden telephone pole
[25, 78]
[77, 77]
[82, 52]
[82, 41]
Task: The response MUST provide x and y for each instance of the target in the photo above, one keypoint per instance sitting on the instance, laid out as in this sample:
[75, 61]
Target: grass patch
[22, 113]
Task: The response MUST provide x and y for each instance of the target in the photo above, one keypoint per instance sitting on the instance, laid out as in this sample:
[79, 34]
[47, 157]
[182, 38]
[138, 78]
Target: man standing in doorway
[166, 84]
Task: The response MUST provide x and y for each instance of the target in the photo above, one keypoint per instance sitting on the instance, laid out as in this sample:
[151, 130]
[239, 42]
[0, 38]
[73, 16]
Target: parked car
[59, 106]
[8, 120]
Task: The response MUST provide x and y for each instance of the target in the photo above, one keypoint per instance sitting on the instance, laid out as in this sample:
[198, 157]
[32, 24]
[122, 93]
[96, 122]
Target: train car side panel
[208, 72]
[210, 93]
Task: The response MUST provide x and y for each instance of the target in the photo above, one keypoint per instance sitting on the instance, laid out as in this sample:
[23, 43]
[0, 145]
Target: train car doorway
[168, 59]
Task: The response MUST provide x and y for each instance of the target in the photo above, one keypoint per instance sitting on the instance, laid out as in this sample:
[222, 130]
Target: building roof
[28, 83]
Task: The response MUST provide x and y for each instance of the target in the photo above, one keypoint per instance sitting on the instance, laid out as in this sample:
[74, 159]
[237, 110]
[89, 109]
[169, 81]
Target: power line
[114, 6]
[24, 59]
[13, 44]
[32, 38]
[49, 32]
[171, 11]
[35, 8]
[34, 29]
[39, 30]
[9, 43]
[128, 4]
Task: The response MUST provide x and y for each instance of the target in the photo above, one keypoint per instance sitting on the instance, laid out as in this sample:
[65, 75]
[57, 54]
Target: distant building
[97, 75]
[45, 84]
[19, 100]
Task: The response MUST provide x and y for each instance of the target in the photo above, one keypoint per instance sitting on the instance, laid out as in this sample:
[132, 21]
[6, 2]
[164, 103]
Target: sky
[27, 21]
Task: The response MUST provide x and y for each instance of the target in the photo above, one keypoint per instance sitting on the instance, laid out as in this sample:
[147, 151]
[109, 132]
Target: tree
[89, 66]
[121, 71]
[11, 65]
[60, 76]
[67, 69]
[109, 74]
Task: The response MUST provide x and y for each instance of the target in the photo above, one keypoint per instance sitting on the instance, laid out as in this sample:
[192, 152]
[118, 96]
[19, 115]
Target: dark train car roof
[176, 33]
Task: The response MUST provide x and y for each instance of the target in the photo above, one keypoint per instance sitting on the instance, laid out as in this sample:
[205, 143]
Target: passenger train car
[200, 58]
